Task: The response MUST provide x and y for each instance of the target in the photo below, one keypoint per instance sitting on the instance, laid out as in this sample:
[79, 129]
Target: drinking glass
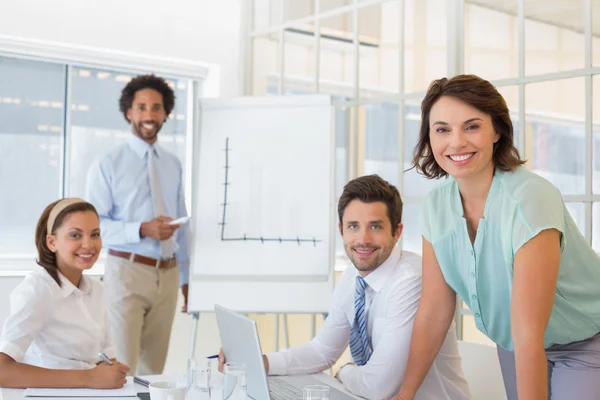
[315, 392]
[234, 381]
[198, 379]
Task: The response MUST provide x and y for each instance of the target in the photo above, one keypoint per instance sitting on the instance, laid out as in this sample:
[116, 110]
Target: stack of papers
[128, 390]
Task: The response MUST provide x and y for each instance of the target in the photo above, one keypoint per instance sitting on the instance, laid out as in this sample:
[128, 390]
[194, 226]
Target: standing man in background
[137, 189]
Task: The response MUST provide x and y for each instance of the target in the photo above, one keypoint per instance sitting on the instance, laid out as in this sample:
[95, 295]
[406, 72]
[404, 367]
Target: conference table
[19, 394]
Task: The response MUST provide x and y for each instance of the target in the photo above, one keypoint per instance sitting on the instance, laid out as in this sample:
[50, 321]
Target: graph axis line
[245, 238]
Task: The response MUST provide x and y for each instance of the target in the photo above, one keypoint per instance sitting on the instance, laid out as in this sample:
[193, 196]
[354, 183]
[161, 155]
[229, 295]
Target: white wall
[195, 30]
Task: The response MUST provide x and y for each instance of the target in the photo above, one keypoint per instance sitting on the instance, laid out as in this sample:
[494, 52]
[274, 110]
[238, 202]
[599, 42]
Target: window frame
[202, 78]
[455, 45]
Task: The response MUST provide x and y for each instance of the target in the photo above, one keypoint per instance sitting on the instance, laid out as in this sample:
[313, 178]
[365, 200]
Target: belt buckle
[158, 260]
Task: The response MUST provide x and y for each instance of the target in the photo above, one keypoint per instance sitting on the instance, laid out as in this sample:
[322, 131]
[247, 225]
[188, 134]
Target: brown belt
[153, 262]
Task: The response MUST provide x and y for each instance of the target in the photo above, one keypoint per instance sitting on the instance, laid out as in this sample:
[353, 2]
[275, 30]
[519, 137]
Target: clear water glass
[315, 392]
[235, 381]
[199, 379]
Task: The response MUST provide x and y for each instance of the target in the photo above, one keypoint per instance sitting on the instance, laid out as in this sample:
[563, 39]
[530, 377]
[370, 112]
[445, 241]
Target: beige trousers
[141, 307]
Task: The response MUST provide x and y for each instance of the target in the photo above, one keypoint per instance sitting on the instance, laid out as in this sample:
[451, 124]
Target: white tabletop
[18, 394]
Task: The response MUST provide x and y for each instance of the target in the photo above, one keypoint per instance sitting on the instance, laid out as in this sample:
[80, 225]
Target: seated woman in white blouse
[58, 324]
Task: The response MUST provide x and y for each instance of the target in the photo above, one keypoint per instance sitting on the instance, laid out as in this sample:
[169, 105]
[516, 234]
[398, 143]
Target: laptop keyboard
[281, 390]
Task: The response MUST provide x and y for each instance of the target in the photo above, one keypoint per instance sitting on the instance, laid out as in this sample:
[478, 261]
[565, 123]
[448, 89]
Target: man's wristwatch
[337, 375]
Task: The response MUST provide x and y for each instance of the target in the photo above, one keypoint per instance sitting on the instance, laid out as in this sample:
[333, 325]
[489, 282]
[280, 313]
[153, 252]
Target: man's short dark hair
[371, 189]
[146, 82]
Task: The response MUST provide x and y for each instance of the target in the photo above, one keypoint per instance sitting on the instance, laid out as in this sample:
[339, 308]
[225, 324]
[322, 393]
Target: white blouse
[57, 327]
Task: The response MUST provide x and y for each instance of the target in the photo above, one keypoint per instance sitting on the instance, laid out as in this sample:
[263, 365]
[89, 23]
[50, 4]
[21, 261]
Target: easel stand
[286, 338]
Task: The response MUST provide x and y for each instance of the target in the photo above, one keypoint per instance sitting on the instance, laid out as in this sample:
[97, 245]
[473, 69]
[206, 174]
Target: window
[381, 137]
[555, 128]
[32, 107]
[46, 159]
[97, 124]
[546, 87]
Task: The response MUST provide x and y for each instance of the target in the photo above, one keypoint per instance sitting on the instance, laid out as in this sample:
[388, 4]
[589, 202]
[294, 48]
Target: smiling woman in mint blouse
[502, 238]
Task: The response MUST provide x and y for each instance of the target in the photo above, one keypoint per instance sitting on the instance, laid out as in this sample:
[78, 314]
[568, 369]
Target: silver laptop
[239, 338]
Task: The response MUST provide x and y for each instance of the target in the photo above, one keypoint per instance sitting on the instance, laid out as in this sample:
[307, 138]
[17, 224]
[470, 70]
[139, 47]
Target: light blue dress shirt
[118, 186]
[519, 205]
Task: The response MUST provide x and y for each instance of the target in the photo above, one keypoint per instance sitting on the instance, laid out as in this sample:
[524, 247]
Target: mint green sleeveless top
[520, 205]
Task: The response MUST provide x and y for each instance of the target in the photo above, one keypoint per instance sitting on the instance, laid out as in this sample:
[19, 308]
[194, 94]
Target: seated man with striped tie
[374, 306]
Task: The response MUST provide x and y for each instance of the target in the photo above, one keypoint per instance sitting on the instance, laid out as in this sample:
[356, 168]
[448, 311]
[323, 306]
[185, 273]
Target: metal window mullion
[587, 14]
[579, 198]
[498, 83]
[248, 51]
[383, 99]
[281, 50]
[401, 16]
[412, 199]
[551, 76]
[401, 104]
[460, 36]
[450, 39]
[66, 135]
[588, 207]
[192, 130]
[281, 62]
[353, 153]
[305, 20]
[455, 37]
[454, 43]
[195, 161]
[276, 332]
[249, 70]
[589, 132]
[521, 73]
[317, 50]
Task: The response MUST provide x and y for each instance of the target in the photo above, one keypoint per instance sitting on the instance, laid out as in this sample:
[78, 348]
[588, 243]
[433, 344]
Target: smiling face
[147, 114]
[367, 233]
[76, 242]
[462, 138]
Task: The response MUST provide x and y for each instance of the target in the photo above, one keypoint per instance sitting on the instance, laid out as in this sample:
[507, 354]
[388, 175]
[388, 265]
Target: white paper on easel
[128, 390]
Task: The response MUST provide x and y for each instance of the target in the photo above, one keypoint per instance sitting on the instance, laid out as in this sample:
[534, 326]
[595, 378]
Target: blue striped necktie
[359, 341]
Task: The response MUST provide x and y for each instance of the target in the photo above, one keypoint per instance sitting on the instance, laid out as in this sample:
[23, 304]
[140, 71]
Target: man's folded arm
[381, 376]
[317, 355]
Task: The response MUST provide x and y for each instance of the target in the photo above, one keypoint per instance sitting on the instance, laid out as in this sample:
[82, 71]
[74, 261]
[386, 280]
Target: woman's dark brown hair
[370, 189]
[47, 258]
[482, 95]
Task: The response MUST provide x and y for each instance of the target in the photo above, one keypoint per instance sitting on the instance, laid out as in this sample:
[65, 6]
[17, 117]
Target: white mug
[167, 391]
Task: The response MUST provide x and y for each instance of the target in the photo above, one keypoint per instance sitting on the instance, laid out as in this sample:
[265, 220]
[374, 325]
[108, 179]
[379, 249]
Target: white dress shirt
[57, 327]
[392, 298]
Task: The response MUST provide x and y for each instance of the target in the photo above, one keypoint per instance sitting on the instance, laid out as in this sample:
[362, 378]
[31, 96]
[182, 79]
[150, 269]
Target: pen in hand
[112, 375]
[105, 358]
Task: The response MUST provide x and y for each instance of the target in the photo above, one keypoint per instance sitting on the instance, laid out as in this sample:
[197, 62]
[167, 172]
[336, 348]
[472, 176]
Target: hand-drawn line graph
[245, 237]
